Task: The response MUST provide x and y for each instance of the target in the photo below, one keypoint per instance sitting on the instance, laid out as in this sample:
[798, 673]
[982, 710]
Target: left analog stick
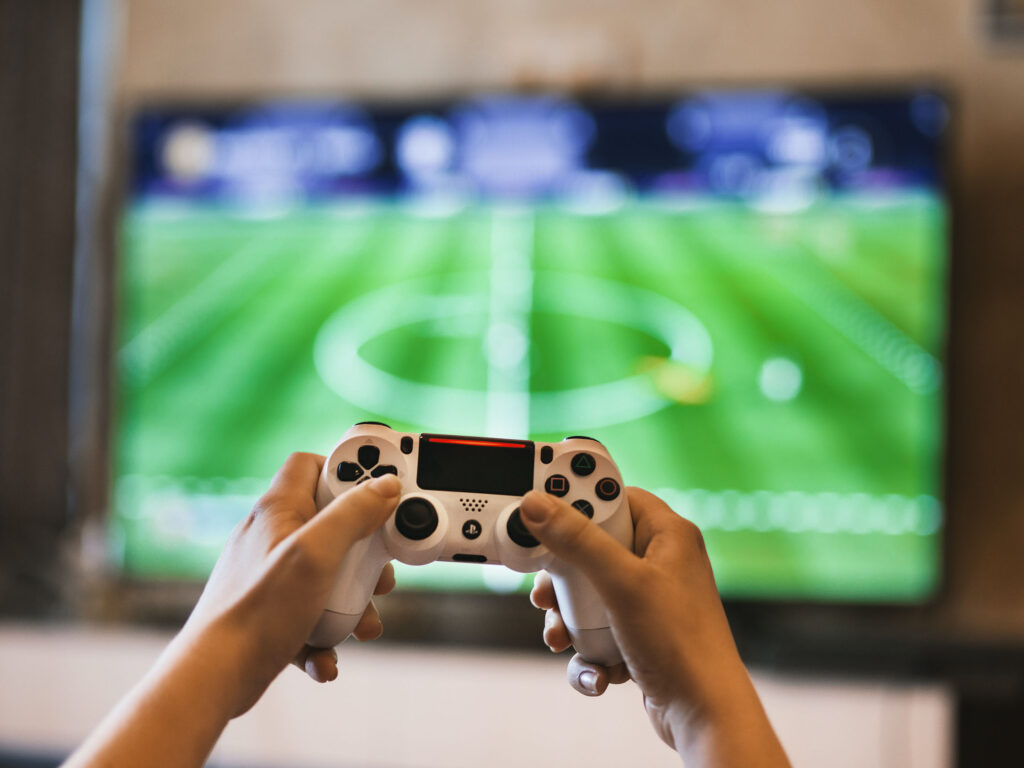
[518, 532]
[416, 519]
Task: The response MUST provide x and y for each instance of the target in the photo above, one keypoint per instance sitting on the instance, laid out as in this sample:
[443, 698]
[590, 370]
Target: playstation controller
[460, 502]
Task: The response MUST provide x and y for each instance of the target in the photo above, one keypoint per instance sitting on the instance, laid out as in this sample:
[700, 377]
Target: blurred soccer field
[775, 377]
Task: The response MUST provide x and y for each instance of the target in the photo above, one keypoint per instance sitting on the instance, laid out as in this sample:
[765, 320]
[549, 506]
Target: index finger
[352, 516]
[653, 519]
[299, 472]
[294, 485]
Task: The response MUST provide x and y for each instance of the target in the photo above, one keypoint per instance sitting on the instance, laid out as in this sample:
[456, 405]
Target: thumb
[574, 539]
[354, 515]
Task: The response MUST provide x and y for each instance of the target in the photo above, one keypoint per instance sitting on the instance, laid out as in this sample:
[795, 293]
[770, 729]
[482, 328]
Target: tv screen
[742, 294]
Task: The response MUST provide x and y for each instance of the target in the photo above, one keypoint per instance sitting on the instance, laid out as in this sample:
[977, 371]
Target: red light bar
[481, 443]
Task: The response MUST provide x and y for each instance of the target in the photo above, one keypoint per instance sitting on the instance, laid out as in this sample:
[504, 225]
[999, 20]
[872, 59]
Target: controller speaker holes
[472, 505]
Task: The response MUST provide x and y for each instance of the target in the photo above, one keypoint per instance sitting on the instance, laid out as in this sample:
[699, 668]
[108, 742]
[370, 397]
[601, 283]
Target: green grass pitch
[775, 377]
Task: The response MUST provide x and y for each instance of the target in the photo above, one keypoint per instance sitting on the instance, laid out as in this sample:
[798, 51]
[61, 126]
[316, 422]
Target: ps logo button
[607, 489]
[585, 507]
[583, 464]
[557, 485]
[347, 471]
[472, 529]
[368, 455]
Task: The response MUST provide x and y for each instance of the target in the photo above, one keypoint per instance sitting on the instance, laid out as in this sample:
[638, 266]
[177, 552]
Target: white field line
[850, 315]
[865, 326]
[803, 512]
[870, 331]
[856, 319]
[507, 338]
[164, 500]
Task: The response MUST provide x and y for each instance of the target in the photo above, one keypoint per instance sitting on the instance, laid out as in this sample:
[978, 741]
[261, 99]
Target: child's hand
[263, 598]
[668, 621]
[273, 578]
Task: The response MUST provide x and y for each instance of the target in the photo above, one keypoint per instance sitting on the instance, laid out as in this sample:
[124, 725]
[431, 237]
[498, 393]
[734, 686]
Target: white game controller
[460, 502]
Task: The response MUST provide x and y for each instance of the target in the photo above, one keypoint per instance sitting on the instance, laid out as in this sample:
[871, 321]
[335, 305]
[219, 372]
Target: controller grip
[352, 591]
[596, 645]
[582, 608]
[332, 628]
[585, 616]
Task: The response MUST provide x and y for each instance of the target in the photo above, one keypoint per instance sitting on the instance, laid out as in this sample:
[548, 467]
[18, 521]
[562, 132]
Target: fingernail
[310, 666]
[334, 653]
[537, 507]
[588, 680]
[388, 486]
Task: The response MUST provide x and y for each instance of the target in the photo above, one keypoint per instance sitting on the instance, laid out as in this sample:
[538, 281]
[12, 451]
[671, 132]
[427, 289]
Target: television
[741, 293]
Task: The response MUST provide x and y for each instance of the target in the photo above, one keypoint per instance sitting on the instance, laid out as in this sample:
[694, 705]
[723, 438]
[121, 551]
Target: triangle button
[583, 464]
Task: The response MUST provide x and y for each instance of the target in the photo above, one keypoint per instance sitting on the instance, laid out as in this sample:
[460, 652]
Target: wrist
[709, 697]
[217, 656]
[725, 726]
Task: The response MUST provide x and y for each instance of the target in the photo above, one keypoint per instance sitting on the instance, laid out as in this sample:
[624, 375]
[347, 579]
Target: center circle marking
[342, 368]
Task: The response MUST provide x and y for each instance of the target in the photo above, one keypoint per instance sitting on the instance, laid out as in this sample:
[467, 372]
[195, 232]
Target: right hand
[666, 615]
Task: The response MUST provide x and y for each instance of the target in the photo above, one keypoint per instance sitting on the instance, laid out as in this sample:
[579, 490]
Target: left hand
[271, 582]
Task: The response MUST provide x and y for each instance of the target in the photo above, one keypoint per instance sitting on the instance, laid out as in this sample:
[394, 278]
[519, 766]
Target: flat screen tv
[741, 293]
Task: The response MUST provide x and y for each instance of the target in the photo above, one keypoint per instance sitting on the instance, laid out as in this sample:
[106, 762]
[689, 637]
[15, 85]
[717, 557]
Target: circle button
[607, 489]
[416, 519]
[472, 529]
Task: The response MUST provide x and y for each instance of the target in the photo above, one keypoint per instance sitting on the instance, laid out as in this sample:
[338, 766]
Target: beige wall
[237, 49]
[256, 46]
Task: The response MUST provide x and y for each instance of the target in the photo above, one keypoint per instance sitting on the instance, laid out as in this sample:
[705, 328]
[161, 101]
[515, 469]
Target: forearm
[732, 732]
[175, 714]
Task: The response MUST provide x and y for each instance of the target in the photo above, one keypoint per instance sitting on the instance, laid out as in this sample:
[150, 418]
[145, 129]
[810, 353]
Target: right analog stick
[416, 519]
[518, 533]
